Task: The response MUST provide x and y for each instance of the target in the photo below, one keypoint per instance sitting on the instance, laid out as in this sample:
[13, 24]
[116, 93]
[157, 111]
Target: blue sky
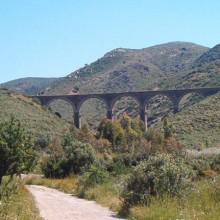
[51, 38]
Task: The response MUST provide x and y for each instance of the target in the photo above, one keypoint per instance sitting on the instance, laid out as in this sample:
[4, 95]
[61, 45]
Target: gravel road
[56, 205]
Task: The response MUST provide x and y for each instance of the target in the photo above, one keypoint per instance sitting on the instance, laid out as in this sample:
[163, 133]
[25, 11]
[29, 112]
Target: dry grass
[203, 203]
[68, 184]
[19, 206]
[106, 195]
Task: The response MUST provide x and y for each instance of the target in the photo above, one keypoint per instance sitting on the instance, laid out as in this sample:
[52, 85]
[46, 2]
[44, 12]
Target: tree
[17, 153]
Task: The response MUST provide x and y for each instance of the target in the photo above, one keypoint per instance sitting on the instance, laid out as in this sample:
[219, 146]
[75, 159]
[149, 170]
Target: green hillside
[198, 126]
[38, 121]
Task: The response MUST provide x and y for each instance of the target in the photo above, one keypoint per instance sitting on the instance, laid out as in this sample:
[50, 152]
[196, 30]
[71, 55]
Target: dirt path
[55, 205]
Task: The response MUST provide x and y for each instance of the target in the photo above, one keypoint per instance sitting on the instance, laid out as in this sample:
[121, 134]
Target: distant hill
[29, 85]
[34, 117]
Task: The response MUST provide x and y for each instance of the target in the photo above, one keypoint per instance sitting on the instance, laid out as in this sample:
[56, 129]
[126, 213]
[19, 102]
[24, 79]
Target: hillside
[130, 70]
[29, 85]
[198, 126]
[204, 72]
[39, 121]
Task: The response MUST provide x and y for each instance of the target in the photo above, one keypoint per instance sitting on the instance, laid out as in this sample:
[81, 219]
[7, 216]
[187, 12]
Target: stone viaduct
[142, 98]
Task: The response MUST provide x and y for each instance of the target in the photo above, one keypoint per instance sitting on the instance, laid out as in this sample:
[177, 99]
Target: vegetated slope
[204, 72]
[130, 70]
[33, 116]
[29, 85]
[198, 126]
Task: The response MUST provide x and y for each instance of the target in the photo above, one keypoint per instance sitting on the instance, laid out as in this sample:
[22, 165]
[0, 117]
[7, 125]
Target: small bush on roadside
[94, 176]
[161, 174]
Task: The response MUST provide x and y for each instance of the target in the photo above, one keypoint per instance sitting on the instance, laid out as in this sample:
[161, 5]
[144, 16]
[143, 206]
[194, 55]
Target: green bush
[119, 167]
[161, 174]
[54, 167]
[112, 131]
[42, 142]
[79, 157]
[70, 157]
[95, 175]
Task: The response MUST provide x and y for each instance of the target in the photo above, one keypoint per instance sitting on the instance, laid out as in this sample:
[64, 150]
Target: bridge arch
[62, 107]
[88, 109]
[90, 97]
[125, 103]
[158, 106]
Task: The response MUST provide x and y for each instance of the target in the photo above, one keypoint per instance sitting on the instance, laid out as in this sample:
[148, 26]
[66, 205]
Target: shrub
[155, 138]
[54, 167]
[42, 142]
[79, 156]
[119, 167]
[71, 157]
[95, 175]
[112, 131]
[161, 174]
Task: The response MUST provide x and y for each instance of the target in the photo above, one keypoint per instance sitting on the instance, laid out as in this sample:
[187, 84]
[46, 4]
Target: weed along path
[56, 205]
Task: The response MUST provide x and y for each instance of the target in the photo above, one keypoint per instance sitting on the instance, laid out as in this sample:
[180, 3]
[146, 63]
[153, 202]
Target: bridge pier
[175, 107]
[109, 114]
[77, 121]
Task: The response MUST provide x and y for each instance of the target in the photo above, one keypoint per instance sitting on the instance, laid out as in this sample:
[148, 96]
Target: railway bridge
[142, 98]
